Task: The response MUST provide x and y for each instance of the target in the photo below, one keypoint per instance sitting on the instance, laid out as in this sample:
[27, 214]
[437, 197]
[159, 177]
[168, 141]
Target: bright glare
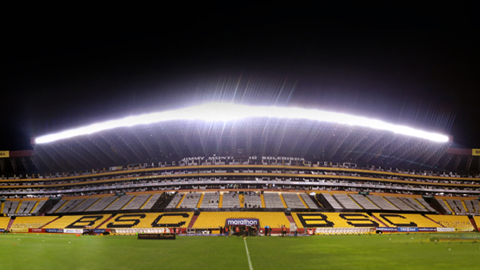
[223, 112]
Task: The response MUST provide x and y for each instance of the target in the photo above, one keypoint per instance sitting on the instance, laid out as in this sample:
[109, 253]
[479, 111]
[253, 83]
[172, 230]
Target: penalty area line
[248, 255]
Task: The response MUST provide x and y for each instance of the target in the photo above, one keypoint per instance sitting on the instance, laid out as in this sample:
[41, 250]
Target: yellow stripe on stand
[301, 199]
[180, 202]
[220, 200]
[200, 200]
[283, 201]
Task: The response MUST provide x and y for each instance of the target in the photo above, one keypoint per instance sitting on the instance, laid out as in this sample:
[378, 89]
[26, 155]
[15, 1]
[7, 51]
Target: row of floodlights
[224, 112]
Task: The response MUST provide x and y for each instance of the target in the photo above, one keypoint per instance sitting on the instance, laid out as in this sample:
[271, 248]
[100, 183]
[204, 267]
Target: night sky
[411, 65]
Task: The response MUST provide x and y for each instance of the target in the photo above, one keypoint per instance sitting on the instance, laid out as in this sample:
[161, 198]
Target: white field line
[248, 255]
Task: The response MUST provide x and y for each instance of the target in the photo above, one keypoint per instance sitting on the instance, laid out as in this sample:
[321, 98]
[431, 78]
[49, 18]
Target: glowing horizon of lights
[223, 112]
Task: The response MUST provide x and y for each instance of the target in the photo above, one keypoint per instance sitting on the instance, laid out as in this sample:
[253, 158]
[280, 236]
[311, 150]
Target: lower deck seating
[272, 200]
[333, 203]
[4, 222]
[101, 204]
[253, 200]
[218, 219]
[32, 222]
[347, 202]
[398, 203]
[230, 200]
[477, 221]
[77, 221]
[38, 207]
[150, 220]
[151, 202]
[292, 200]
[309, 201]
[210, 200]
[57, 206]
[191, 200]
[460, 223]
[364, 202]
[382, 203]
[174, 202]
[405, 220]
[137, 202]
[333, 220]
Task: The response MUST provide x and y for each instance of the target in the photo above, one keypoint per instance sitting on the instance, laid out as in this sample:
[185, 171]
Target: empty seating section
[4, 222]
[472, 206]
[382, 203]
[101, 204]
[425, 204]
[152, 201]
[444, 206]
[335, 220]
[57, 206]
[413, 204]
[13, 207]
[26, 207]
[309, 201]
[6, 207]
[456, 206]
[32, 222]
[364, 202]
[398, 203]
[173, 204]
[77, 221]
[253, 200]
[230, 200]
[217, 219]
[333, 203]
[460, 223]
[85, 205]
[292, 200]
[137, 202]
[405, 220]
[272, 200]
[190, 200]
[119, 204]
[70, 205]
[150, 220]
[346, 201]
[210, 200]
[475, 218]
[38, 207]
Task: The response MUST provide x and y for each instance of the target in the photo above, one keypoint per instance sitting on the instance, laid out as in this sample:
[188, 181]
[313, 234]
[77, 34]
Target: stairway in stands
[50, 222]
[192, 221]
[473, 223]
[106, 220]
[10, 223]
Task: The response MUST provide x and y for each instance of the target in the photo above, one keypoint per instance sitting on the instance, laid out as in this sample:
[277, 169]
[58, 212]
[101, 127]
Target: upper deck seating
[292, 200]
[347, 202]
[364, 202]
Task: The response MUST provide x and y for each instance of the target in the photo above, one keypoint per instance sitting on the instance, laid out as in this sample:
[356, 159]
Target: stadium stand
[477, 221]
[26, 207]
[272, 200]
[460, 223]
[413, 204]
[85, 205]
[149, 220]
[309, 201]
[101, 204]
[347, 202]
[364, 202]
[230, 200]
[382, 203]
[77, 221]
[333, 203]
[4, 222]
[398, 203]
[405, 220]
[137, 202]
[218, 219]
[334, 220]
[119, 203]
[191, 200]
[456, 206]
[253, 200]
[473, 207]
[292, 200]
[210, 200]
[151, 202]
[425, 204]
[444, 208]
[71, 204]
[38, 207]
[13, 207]
[32, 221]
[57, 206]
[176, 200]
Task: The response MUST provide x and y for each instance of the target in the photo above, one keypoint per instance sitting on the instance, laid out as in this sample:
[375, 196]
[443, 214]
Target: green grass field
[56, 251]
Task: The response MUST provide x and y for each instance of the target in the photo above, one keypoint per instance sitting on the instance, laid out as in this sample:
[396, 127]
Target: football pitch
[388, 251]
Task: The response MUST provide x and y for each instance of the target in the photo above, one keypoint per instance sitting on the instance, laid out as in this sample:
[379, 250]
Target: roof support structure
[338, 143]
[25, 163]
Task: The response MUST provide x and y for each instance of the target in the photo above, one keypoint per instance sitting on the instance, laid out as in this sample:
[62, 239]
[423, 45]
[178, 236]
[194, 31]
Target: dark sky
[411, 65]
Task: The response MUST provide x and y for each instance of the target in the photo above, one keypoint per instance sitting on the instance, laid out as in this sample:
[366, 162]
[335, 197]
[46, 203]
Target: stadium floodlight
[224, 112]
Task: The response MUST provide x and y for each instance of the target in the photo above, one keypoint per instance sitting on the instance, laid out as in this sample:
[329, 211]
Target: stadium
[291, 187]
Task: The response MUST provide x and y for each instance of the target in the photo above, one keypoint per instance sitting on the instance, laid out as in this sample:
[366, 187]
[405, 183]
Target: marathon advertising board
[427, 229]
[54, 230]
[157, 236]
[242, 222]
[407, 229]
[386, 229]
[73, 231]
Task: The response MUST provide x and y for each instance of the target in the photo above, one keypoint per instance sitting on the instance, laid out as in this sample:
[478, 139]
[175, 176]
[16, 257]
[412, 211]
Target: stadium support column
[2, 165]
[141, 138]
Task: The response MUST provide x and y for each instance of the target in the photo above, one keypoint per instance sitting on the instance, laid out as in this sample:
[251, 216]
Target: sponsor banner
[157, 236]
[445, 229]
[386, 229]
[19, 230]
[73, 231]
[99, 231]
[4, 154]
[54, 230]
[35, 230]
[427, 229]
[407, 229]
[242, 222]
[2, 230]
[475, 152]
